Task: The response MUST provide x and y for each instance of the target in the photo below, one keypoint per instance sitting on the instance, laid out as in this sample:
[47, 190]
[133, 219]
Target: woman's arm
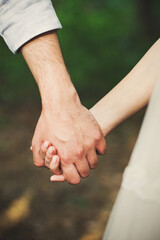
[131, 94]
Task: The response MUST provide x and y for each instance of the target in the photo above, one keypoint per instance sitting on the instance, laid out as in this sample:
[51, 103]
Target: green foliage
[101, 42]
[16, 81]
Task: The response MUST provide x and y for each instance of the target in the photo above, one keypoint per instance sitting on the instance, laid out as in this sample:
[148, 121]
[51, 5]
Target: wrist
[104, 120]
[59, 97]
[44, 58]
[96, 114]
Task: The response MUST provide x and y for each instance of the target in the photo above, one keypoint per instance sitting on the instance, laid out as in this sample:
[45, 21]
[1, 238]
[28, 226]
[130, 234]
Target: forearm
[44, 58]
[131, 94]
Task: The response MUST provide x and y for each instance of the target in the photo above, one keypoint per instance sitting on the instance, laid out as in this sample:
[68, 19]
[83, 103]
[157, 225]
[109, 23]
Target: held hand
[76, 136]
[52, 161]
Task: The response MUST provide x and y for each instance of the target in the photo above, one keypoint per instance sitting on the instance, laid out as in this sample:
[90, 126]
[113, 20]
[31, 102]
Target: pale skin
[128, 97]
[64, 121]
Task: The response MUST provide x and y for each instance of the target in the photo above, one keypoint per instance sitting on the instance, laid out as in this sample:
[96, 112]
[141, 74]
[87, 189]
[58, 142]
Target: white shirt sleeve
[22, 20]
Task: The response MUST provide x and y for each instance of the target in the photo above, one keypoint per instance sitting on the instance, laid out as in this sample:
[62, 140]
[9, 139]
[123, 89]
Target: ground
[33, 208]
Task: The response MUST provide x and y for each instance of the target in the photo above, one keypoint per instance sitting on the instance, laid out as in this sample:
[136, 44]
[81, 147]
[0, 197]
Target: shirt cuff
[21, 21]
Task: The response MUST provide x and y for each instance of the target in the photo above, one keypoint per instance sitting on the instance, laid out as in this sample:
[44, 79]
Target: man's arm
[64, 121]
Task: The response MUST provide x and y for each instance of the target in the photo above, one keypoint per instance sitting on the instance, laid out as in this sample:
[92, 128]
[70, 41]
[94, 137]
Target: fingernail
[57, 178]
[55, 159]
[52, 178]
[50, 150]
[53, 163]
[46, 144]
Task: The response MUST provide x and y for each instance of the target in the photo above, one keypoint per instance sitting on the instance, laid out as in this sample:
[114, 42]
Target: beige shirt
[22, 20]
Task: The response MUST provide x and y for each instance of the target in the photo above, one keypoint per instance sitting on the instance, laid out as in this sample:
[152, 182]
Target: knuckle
[79, 153]
[98, 136]
[92, 142]
[90, 145]
[65, 159]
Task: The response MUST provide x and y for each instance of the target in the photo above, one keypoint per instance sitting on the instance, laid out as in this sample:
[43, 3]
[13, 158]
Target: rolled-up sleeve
[22, 20]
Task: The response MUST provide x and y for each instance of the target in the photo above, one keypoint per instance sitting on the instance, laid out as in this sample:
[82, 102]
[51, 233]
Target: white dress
[136, 212]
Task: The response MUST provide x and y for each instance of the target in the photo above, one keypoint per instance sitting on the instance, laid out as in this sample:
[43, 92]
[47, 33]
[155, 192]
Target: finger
[83, 167]
[49, 154]
[31, 148]
[55, 165]
[92, 159]
[37, 159]
[101, 146]
[57, 178]
[44, 148]
[71, 174]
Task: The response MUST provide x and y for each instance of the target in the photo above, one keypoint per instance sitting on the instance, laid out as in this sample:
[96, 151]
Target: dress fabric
[22, 20]
[136, 212]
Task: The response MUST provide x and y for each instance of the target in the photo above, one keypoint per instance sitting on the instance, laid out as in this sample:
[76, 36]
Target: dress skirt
[136, 212]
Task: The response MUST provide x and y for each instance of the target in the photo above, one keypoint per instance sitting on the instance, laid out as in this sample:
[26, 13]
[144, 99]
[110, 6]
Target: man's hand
[64, 121]
[76, 136]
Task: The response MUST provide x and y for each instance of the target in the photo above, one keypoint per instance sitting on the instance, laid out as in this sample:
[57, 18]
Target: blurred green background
[101, 41]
